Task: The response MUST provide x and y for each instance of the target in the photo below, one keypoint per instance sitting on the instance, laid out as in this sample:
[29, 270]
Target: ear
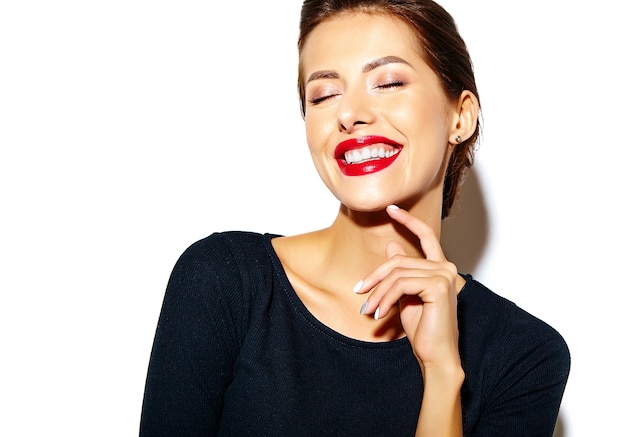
[465, 118]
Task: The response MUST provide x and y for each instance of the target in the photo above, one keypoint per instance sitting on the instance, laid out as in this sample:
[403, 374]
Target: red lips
[370, 164]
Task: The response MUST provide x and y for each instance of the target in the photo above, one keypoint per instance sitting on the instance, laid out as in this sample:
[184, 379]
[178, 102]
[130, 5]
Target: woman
[269, 335]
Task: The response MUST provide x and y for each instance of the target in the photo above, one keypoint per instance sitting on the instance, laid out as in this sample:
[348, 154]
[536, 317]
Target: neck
[357, 239]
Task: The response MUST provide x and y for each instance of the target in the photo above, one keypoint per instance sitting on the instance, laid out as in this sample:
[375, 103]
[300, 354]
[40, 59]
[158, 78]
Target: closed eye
[318, 100]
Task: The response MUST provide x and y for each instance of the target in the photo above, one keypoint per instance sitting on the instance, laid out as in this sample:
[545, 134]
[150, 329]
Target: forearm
[440, 414]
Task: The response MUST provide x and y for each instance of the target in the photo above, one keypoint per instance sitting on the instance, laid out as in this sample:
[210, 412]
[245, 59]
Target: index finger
[428, 240]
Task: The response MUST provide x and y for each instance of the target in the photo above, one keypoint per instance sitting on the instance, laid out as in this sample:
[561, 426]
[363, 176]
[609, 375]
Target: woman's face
[378, 123]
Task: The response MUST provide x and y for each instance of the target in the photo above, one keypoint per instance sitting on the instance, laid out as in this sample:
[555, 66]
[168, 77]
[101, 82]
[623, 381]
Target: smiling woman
[269, 335]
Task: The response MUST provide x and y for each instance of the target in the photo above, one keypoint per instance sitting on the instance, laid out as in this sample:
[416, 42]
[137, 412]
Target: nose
[354, 111]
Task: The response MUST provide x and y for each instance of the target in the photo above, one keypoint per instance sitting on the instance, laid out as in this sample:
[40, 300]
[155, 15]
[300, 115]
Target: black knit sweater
[237, 353]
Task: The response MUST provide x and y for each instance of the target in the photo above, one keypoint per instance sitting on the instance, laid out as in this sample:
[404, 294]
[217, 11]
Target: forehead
[354, 36]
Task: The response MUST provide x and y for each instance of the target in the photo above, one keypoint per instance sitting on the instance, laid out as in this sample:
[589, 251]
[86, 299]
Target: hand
[424, 288]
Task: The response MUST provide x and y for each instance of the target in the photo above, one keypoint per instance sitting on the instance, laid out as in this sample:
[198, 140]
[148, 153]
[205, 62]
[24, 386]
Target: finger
[428, 288]
[428, 240]
[396, 258]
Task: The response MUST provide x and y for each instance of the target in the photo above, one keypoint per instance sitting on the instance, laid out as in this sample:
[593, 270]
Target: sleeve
[196, 343]
[525, 393]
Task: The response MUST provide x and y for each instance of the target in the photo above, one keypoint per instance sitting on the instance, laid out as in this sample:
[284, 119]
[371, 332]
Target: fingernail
[363, 308]
[376, 313]
[393, 207]
[358, 286]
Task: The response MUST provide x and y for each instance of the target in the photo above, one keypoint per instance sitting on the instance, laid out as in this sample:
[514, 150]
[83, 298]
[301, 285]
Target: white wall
[130, 129]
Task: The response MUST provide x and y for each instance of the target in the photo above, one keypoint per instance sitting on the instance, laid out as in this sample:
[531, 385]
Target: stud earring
[458, 139]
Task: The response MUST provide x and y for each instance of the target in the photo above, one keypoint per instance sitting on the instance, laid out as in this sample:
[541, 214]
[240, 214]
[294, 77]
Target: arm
[194, 347]
[526, 381]
[440, 414]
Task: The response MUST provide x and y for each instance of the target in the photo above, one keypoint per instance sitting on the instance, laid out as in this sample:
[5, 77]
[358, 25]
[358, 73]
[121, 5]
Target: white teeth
[365, 154]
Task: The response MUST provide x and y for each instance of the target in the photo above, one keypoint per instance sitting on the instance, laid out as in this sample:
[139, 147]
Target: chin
[366, 205]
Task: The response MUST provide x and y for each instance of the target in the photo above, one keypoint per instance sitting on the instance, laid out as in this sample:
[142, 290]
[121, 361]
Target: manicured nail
[363, 308]
[393, 207]
[376, 313]
[358, 286]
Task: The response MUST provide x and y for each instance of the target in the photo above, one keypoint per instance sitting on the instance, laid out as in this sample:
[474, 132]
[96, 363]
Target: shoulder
[224, 243]
[225, 250]
[493, 310]
[497, 331]
[224, 262]
[217, 284]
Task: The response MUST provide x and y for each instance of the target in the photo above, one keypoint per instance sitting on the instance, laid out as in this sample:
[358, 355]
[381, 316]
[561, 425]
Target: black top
[237, 353]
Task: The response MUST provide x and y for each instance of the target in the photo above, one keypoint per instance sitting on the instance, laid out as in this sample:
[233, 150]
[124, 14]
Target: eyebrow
[385, 60]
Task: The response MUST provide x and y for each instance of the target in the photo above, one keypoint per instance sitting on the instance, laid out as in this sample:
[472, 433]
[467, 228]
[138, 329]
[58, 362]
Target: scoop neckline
[308, 316]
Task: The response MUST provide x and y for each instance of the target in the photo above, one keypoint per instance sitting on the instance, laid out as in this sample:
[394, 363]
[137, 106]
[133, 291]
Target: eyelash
[319, 100]
[391, 85]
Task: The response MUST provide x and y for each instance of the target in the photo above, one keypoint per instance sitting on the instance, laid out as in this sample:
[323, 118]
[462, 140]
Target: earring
[458, 139]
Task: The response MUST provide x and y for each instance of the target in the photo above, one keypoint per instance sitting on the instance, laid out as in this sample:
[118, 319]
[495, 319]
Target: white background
[130, 129]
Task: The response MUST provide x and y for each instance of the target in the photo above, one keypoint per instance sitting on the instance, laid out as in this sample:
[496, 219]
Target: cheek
[424, 120]
[317, 129]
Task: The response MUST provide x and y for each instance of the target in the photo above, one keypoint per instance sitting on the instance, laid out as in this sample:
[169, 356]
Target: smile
[366, 155]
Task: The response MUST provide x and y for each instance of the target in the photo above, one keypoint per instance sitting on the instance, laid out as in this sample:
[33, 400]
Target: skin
[391, 253]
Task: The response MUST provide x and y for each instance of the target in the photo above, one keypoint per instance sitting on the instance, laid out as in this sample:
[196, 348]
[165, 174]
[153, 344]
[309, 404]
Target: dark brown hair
[442, 48]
